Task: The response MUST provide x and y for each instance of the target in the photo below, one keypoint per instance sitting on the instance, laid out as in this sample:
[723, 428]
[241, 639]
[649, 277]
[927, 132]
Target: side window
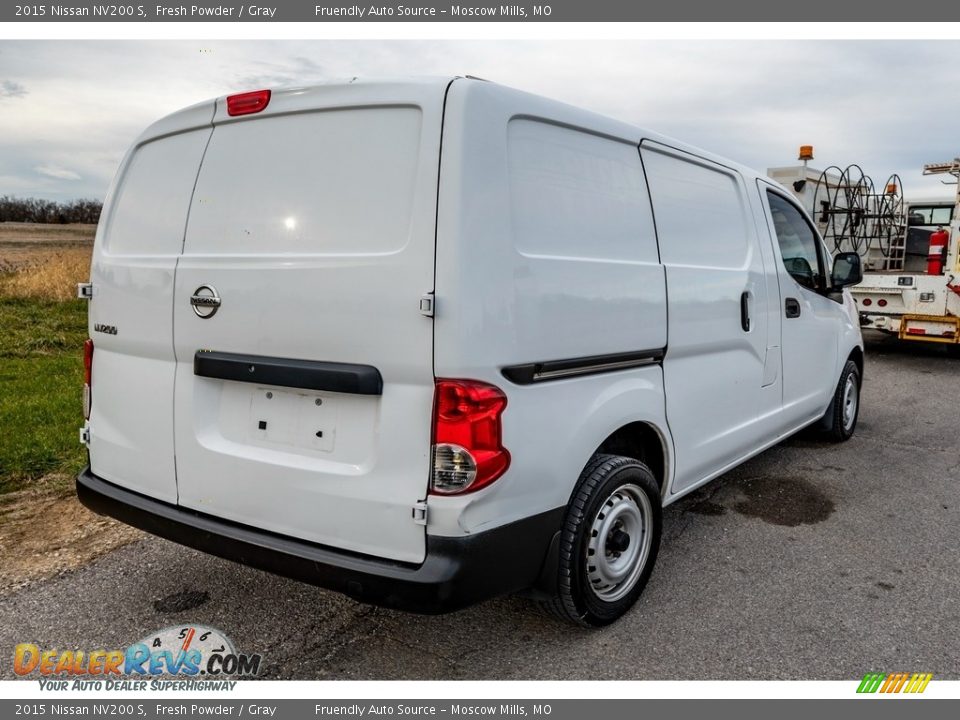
[799, 245]
[578, 195]
[700, 210]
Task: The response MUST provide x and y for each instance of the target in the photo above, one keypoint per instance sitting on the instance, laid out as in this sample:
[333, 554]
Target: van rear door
[139, 239]
[304, 398]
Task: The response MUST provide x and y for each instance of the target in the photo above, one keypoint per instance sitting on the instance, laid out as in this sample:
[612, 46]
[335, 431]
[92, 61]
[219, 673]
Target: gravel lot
[812, 561]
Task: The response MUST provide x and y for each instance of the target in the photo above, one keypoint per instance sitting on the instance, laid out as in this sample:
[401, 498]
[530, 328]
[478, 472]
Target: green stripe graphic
[871, 682]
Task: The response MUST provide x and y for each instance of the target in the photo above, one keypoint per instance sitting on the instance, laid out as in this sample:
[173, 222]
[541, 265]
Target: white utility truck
[425, 342]
[911, 287]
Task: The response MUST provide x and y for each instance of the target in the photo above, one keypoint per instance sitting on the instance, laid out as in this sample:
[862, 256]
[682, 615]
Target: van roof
[352, 90]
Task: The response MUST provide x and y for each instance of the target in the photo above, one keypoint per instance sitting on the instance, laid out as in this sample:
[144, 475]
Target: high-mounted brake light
[87, 378]
[247, 103]
[468, 452]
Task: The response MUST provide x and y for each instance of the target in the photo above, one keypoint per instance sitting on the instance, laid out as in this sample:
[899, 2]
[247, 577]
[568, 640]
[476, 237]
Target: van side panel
[714, 368]
[583, 245]
[545, 252]
[134, 260]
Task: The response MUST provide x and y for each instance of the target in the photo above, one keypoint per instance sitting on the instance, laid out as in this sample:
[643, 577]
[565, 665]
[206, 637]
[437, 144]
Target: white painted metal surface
[317, 230]
[521, 278]
[315, 222]
[816, 343]
[135, 255]
[714, 370]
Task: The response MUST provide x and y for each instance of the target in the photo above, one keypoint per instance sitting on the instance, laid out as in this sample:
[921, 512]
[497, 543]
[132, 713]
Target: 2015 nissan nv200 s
[426, 342]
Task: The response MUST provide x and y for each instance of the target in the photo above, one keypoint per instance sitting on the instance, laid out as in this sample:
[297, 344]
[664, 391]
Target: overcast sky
[68, 110]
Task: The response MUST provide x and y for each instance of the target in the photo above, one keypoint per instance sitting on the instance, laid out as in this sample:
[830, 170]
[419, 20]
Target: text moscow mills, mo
[321, 12]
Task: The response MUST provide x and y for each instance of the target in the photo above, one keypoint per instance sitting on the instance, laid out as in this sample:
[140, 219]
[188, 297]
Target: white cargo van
[427, 342]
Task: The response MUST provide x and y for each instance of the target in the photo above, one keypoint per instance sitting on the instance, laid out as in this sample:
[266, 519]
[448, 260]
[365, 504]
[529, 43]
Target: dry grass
[45, 275]
[45, 233]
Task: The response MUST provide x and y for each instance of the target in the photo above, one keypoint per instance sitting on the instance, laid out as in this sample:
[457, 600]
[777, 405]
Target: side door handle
[791, 307]
[745, 311]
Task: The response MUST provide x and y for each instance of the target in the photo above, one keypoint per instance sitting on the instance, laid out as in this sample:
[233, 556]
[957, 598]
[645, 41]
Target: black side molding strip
[306, 374]
[531, 373]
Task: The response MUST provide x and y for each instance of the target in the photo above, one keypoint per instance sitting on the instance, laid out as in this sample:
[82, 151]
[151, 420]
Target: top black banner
[445, 11]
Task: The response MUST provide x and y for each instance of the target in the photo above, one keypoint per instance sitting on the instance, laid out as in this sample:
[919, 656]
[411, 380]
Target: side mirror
[847, 270]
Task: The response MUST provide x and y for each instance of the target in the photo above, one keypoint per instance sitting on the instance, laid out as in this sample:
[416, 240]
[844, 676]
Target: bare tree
[37, 210]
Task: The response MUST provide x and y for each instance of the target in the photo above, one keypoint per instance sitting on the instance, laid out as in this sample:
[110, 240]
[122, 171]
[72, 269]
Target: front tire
[844, 411]
[609, 541]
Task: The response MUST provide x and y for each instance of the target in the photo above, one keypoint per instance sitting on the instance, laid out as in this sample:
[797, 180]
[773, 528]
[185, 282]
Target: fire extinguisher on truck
[938, 249]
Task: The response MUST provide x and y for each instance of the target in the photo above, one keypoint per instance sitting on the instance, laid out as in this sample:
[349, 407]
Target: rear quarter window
[700, 211]
[577, 195]
[585, 275]
[148, 213]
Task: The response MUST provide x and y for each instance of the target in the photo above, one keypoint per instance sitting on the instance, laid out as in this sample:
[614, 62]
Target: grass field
[43, 529]
[42, 327]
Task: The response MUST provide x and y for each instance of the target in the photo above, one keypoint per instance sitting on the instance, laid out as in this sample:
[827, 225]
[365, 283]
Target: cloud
[295, 71]
[11, 89]
[58, 173]
[752, 101]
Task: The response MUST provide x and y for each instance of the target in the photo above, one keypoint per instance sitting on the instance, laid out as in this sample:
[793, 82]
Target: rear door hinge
[427, 302]
[85, 291]
[85, 435]
[420, 513]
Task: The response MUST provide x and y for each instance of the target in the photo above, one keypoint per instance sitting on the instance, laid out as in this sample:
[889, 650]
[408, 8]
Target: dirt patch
[45, 531]
[46, 233]
[783, 501]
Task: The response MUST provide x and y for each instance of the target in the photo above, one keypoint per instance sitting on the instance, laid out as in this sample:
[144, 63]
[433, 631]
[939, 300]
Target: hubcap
[850, 400]
[619, 543]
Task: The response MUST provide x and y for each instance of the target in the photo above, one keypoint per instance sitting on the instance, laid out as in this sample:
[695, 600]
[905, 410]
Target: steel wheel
[619, 543]
[840, 420]
[608, 542]
[851, 398]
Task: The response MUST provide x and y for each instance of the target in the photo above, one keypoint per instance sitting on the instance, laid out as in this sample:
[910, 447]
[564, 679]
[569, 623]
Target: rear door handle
[745, 311]
[791, 307]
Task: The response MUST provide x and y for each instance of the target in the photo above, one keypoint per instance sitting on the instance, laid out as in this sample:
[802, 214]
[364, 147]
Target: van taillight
[247, 103]
[87, 377]
[468, 452]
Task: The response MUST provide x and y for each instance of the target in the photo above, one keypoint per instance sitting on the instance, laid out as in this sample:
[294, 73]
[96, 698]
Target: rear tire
[844, 411]
[608, 543]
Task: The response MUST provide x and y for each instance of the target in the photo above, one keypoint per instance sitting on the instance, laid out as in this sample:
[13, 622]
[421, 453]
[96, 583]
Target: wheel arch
[643, 441]
[857, 356]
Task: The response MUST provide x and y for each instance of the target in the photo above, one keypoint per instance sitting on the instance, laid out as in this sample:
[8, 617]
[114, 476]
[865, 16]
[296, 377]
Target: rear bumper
[456, 573]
